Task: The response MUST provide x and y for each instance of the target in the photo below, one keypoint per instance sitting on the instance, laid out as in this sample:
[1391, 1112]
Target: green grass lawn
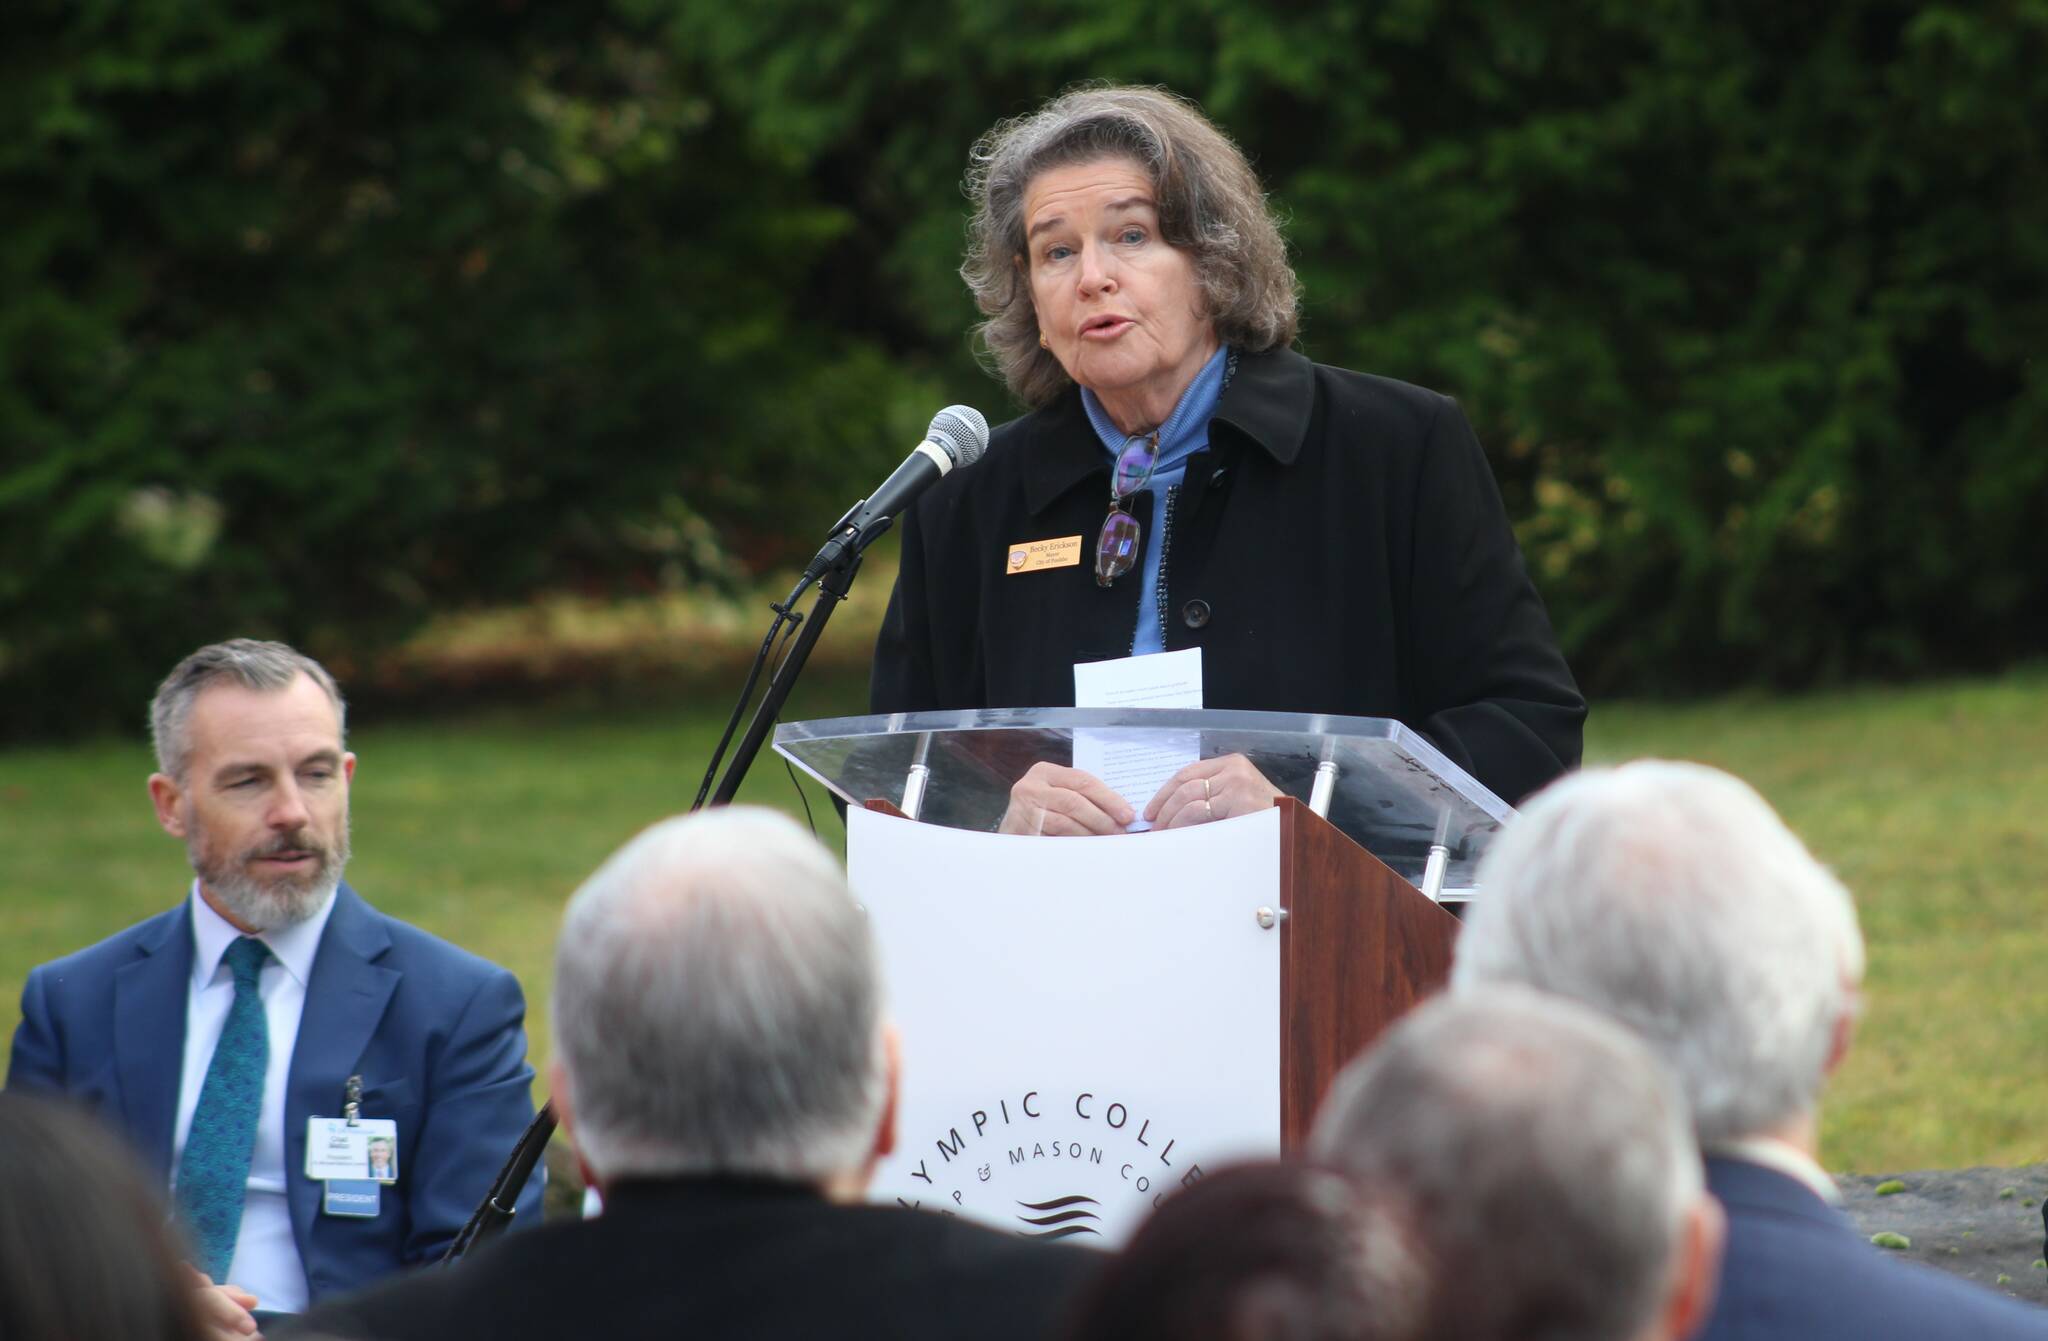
[1928, 800]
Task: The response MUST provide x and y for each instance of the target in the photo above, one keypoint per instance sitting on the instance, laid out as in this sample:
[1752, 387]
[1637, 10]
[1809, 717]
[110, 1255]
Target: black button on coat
[1356, 539]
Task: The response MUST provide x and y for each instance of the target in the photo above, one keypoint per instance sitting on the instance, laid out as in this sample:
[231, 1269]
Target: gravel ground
[1981, 1224]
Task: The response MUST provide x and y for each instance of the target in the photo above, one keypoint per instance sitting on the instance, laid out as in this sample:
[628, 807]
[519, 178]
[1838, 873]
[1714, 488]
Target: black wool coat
[689, 1258]
[1340, 547]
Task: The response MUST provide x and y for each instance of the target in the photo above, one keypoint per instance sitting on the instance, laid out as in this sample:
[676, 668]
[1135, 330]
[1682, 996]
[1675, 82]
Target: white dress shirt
[266, 1259]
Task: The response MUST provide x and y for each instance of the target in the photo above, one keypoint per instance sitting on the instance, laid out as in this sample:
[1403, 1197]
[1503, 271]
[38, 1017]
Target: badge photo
[365, 1149]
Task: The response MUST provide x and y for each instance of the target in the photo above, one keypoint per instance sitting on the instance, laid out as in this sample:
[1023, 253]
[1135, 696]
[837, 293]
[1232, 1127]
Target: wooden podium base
[1359, 947]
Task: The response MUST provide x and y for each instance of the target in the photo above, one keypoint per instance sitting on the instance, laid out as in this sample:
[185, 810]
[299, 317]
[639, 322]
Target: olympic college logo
[1057, 1217]
[1050, 1166]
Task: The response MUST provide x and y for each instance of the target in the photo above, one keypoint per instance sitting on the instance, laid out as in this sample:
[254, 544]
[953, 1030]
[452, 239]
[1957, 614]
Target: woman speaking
[1332, 541]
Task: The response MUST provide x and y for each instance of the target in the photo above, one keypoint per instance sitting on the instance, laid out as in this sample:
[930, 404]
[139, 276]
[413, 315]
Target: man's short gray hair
[1544, 1157]
[718, 1006]
[263, 666]
[1210, 203]
[1670, 897]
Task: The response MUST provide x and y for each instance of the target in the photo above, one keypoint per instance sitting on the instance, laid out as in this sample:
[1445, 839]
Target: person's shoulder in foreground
[1797, 1268]
[729, 1258]
[732, 1146]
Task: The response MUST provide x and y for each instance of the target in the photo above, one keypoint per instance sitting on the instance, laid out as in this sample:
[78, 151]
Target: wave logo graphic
[1059, 1218]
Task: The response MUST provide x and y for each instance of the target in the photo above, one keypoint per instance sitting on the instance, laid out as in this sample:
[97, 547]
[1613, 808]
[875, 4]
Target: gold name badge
[1028, 556]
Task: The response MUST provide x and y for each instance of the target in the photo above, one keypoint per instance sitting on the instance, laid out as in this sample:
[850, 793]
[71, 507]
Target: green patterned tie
[213, 1173]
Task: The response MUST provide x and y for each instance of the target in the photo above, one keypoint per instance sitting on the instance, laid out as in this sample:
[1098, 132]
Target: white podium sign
[1087, 1023]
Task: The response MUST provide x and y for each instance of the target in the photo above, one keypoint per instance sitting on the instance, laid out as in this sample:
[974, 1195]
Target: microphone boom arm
[833, 584]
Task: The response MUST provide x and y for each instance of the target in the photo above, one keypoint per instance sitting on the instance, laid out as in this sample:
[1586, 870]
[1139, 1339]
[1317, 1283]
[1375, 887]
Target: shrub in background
[315, 319]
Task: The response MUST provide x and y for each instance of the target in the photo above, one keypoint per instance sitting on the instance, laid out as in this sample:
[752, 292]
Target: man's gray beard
[270, 905]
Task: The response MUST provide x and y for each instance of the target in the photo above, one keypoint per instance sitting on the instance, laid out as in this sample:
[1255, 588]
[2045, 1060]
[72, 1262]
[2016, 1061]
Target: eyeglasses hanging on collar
[1116, 544]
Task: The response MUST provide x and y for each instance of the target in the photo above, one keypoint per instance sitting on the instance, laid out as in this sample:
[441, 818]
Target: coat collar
[1268, 404]
[150, 990]
[713, 1193]
[1745, 1186]
[1270, 401]
[345, 1002]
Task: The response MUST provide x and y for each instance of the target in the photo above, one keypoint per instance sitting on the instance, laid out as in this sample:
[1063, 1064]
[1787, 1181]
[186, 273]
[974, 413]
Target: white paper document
[1136, 764]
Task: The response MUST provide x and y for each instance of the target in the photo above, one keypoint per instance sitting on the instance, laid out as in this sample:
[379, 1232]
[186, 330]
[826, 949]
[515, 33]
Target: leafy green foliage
[316, 318]
[319, 322]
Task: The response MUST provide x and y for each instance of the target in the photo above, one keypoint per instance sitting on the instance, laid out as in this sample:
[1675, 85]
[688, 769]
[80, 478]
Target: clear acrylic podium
[1089, 1022]
[1385, 787]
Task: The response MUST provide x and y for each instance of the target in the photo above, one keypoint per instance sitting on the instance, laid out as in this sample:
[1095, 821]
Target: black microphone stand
[832, 588]
[841, 563]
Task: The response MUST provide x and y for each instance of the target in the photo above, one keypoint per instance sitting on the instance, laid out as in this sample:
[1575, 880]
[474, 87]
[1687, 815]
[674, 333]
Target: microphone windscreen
[960, 432]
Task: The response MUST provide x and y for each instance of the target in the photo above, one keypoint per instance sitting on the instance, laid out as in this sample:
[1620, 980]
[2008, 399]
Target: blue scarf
[1185, 432]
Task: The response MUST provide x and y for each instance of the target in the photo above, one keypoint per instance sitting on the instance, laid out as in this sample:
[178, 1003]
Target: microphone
[957, 437]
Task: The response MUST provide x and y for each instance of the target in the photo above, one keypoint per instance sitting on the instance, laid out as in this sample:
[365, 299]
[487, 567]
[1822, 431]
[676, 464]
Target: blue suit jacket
[436, 1033]
[1797, 1270]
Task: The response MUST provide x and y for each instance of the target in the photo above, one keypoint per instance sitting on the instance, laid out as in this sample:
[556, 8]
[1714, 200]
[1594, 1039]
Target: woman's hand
[1050, 799]
[1211, 789]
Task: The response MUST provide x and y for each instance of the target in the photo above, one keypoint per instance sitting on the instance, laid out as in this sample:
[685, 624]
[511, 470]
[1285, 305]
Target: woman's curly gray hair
[1210, 206]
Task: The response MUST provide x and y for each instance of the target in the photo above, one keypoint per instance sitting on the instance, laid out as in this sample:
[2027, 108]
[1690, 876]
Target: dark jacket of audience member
[1263, 1252]
[1798, 1268]
[703, 1258]
[85, 1251]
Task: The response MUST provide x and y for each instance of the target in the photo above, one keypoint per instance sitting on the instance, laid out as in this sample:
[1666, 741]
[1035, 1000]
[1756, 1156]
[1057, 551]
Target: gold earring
[1041, 341]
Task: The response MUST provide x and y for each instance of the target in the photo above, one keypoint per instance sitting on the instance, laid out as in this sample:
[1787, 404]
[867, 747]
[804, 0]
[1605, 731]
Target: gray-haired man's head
[254, 775]
[1545, 1163]
[1670, 897]
[246, 662]
[718, 1008]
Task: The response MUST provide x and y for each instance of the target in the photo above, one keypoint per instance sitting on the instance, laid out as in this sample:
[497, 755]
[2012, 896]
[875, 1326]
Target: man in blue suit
[1670, 897]
[273, 1001]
